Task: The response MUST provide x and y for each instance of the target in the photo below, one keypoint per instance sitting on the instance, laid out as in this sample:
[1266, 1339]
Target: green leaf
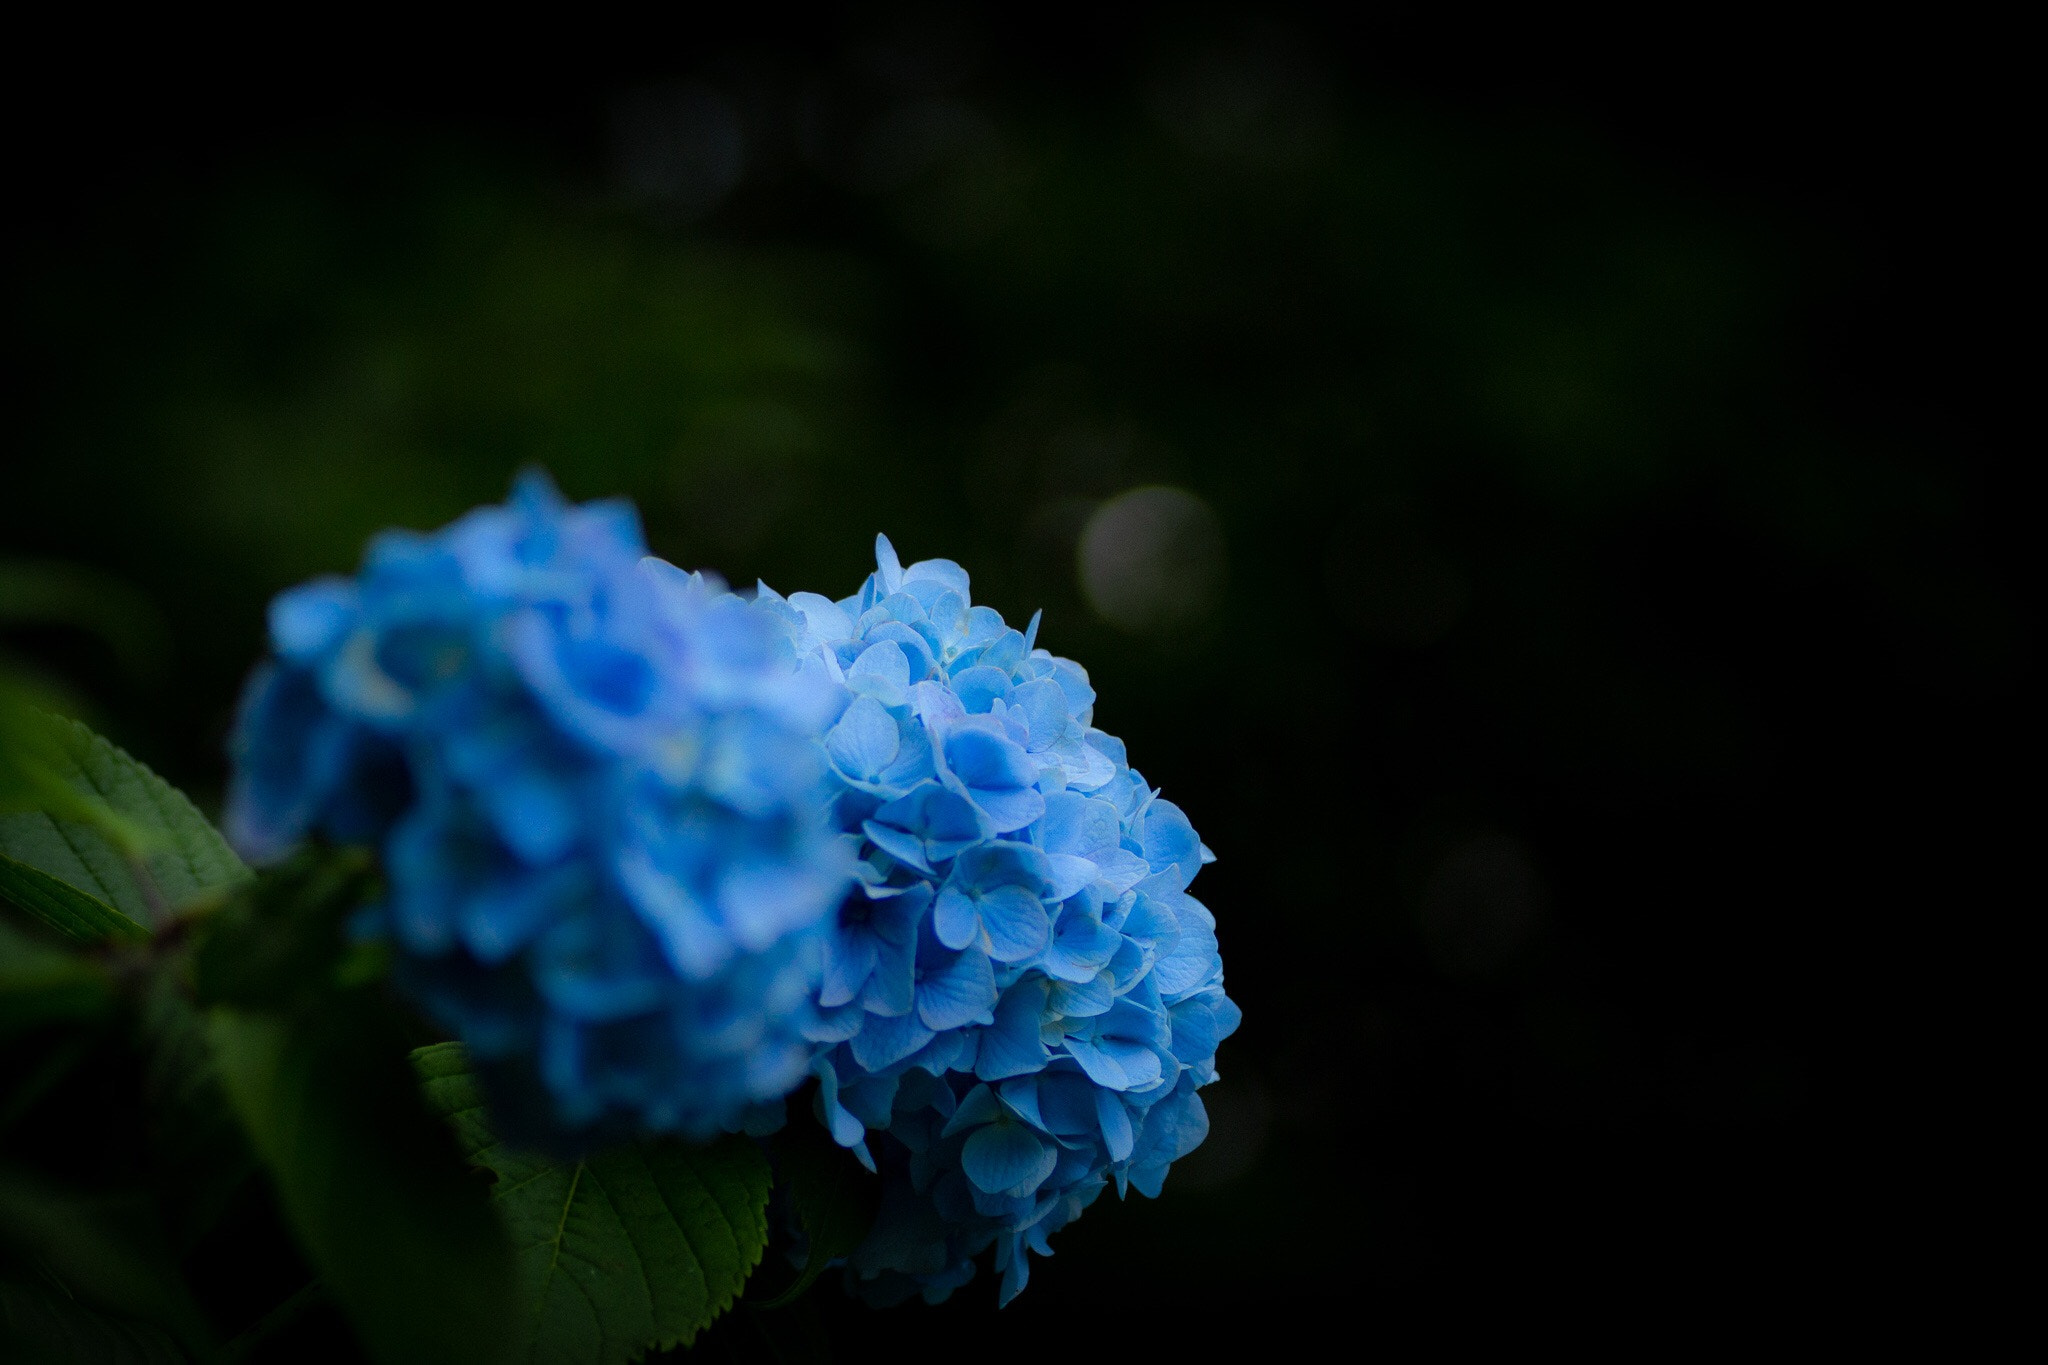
[64, 907]
[834, 1197]
[38, 1326]
[108, 1254]
[635, 1247]
[122, 838]
[398, 1230]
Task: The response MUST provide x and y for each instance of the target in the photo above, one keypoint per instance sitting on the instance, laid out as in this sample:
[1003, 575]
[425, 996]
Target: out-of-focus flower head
[1024, 999]
[598, 789]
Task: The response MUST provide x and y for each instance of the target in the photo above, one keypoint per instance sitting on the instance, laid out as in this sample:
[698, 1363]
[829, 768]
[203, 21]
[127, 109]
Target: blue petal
[980, 688]
[882, 1042]
[1081, 947]
[1120, 869]
[1169, 839]
[882, 671]
[1007, 1158]
[1069, 875]
[871, 1099]
[1084, 826]
[984, 625]
[1016, 1275]
[1073, 680]
[904, 847]
[1008, 810]
[954, 919]
[888, 568]
[959, 992]
[988, 762]
[310, 621]
[1192, 959]
[761, 900]
[943, 571]
[1006, 651]
[1046, 707]
[1011, 1046]
[826, 619]
[1101, 1068]
[1015, 921]
[895, 921]
[849, 961]
[1083, 1000]
[1139, 1064]
[892, 989]
[1116, 1125]
[979, 1107]
[865, 740]
[846, 1129]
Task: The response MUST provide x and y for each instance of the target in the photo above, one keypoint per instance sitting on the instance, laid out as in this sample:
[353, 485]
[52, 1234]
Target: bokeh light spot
[1151, 560]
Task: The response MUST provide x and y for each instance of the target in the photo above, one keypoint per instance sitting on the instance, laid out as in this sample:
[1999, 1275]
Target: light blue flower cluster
[1024, 999]
[599, 791]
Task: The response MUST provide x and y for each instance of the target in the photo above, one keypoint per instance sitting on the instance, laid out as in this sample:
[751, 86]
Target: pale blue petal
[888, 568]
[865, 740]
[1045, 707]
[827, 619]
[1008, 810]
[882, 672]
[1169, 839]
[1015, 921]
[1069, 875]
[1006, 651]
[942, 571]
[988, 762]
[979, 688]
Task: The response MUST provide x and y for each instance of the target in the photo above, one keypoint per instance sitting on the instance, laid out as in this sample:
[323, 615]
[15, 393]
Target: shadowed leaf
[401, 1236]
[104, 839]
[634, 1247]
[835, 1200]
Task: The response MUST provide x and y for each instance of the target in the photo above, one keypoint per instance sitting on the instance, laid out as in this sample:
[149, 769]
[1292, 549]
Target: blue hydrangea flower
[1024, 999]
[599, 788]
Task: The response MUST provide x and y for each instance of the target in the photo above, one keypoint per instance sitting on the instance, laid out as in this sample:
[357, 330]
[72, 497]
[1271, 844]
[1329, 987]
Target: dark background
[1592, 652]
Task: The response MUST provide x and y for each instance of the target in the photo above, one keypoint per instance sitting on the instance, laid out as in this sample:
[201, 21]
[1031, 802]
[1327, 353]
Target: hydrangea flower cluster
[599, 789]
[1024, 999]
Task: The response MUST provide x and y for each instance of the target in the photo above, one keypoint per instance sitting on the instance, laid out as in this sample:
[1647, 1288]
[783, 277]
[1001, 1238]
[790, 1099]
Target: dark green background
[1619, 614]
